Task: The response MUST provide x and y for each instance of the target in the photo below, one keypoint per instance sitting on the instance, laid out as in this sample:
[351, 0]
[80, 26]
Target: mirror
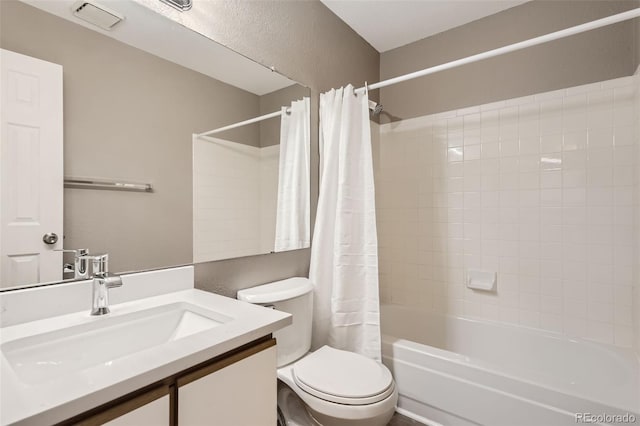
[254, 198]
[144, 180]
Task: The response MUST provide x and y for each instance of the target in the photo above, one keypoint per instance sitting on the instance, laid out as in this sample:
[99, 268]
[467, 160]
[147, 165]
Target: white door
[31, 169]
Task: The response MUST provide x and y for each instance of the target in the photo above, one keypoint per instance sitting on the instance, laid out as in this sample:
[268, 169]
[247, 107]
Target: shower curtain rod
[372, 106]
[613, 19]
[598, 23]
[243, 123]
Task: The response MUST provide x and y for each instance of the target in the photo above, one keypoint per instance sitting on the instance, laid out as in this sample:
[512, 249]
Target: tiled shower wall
[234, 191]
[540, 189]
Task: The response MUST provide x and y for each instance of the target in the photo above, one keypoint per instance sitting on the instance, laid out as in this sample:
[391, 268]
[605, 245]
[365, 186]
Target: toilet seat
[329, 413]
[343, 377]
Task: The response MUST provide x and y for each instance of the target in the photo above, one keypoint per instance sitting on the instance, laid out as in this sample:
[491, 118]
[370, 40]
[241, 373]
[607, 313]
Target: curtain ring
[366, 88]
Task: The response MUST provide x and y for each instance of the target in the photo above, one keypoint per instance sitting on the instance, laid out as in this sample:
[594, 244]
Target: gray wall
[302, 39]
[637, 37]
[118, 101]
[271, 102]
[309, 44]
[269, 130]
[597, 55]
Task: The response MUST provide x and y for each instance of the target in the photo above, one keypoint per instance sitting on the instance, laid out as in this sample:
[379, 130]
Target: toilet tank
[294, 296]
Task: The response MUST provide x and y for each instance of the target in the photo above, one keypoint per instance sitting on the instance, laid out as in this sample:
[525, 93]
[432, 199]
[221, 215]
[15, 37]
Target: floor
[400, 420]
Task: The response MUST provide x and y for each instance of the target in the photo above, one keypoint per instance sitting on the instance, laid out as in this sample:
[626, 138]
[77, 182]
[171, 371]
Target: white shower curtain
[292, 212]
[344, 254]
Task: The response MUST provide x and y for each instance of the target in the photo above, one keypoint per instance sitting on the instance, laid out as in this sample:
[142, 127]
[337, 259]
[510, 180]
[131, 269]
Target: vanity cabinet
[235, 389]
[242, 393]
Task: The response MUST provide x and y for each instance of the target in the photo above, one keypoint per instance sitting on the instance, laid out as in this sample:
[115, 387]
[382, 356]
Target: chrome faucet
[80, 265]
[102, 282]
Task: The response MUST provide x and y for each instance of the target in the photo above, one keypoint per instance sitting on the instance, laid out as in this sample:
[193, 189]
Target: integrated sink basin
[48, 356]
[56, 367]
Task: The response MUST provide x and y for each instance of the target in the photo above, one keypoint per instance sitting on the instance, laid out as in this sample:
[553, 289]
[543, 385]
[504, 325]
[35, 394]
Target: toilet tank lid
[276, 291]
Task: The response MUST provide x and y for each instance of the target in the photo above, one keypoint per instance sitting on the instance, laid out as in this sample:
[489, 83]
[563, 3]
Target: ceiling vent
[97, 14]
[181, 5]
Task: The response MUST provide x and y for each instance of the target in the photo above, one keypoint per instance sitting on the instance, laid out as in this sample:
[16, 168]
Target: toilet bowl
[328, 387]
[342, 388]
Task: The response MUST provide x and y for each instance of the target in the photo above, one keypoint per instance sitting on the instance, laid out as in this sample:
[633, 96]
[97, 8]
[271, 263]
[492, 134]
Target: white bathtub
[456, 371]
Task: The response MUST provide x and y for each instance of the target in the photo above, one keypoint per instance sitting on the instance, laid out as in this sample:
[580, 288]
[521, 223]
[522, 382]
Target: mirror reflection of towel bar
[91, 183]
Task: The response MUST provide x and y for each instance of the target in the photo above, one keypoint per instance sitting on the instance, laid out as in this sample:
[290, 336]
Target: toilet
[328, 387]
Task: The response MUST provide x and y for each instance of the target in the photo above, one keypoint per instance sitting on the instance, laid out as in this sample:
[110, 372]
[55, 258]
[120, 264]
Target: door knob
[50, 238]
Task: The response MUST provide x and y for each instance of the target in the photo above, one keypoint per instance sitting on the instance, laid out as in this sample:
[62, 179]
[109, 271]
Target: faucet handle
[112, 280]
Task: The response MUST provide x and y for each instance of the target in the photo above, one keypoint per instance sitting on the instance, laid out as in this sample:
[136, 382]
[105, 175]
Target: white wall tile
[233, 185]
[542, 189]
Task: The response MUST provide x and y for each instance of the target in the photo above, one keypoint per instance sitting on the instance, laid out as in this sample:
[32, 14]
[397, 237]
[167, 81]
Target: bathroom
[502, 286]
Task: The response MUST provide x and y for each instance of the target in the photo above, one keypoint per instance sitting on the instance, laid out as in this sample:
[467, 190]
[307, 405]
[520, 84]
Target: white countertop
[64, 397]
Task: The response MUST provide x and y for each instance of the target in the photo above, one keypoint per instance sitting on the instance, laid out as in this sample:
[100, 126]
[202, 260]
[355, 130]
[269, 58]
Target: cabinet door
[240, 394]
[155, 413]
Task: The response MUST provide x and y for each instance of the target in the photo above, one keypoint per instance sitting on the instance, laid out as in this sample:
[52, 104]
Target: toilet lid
[343, 377]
